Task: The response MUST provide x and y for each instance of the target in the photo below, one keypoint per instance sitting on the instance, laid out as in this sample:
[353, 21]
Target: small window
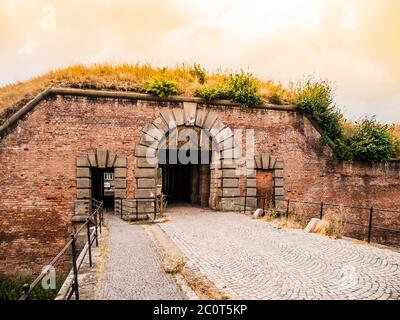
[108, 176]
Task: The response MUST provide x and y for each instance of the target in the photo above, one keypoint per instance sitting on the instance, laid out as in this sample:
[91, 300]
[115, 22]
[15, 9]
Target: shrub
[11, 289]
[275, 98]
[240, 88]
[199, 72]
[161, 87]
[372, 142]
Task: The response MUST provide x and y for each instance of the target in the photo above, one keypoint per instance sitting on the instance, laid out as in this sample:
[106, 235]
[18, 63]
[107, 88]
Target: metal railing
[71, 286]
[379, 226]
[368, 216]
[128, 208]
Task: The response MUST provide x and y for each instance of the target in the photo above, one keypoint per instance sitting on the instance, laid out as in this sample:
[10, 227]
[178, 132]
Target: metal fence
[93, 226]
[366, 223]
[140, 208]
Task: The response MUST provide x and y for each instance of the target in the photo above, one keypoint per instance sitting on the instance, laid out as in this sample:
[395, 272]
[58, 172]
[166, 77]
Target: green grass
[12, 289]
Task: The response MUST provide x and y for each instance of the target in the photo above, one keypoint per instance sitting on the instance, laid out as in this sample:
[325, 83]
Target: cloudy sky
[354, 43]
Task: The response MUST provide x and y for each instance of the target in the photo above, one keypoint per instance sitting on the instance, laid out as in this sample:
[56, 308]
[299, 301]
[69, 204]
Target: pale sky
[354, 43]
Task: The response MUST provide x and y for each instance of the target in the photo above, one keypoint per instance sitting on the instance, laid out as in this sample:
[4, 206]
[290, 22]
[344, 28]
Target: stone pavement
[252, 259]
[132, 269]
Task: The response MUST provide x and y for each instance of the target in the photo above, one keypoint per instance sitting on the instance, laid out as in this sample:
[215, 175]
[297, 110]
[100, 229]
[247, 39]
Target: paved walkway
[251, 259]
[133, 268]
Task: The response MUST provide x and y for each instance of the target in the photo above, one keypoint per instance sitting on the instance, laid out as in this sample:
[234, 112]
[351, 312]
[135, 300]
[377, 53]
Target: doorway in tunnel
[103, 186]
[186, 183]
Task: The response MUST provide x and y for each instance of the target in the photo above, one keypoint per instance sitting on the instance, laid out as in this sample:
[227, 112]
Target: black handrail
[96, 218]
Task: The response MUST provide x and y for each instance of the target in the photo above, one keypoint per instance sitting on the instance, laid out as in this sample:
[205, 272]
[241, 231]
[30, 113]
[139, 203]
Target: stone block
[278, 191]
[223, 134]
[272, 161]
[120, 194]
[217, 127]
[153, 131]
[120, 162]
[258, 162]
[189, 112]
[230, 183]
[83, 193]
[92, 160]
[226, 144]
[145, 183]
[168, 117]
[251, 192]
[229, 173]
[143, 151]
[111, 159]
[83, 173]
[279, 164]
[230, 154]
[265, 160]
[251, 182]
[160, 124]
[200, 118]
[101, 158]
[147, 162]
[278, 182]
[82, 207]
[230, 192]
[312, 225]
[278, 174]
[149, 141]
[82, 161]
[145, 193]
[120, 173]
[145, 173]
[211, 118]
[120, 183]
[179, 119]
[83, 183]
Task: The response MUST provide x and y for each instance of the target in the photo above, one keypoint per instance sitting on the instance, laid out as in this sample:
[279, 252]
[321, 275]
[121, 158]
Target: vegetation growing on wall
[241, 87]
[364, 141]
[315, 98]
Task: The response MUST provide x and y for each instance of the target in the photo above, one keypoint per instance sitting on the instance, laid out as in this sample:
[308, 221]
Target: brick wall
[38, 166]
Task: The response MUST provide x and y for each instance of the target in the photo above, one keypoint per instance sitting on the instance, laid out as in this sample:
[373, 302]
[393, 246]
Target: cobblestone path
[252, 259]
[133, 268]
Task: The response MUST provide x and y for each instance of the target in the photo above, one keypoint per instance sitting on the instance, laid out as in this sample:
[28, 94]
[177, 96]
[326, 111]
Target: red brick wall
[38, 172]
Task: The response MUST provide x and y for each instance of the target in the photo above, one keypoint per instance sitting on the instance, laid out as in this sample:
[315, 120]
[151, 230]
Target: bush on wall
[370, 141]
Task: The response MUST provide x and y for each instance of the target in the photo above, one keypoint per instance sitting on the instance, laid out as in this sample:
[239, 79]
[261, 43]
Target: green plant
[372, 142]
[275, 98]
[315, 98]
[199, 72]
[161, 87]
[11, 289]
[240, 87]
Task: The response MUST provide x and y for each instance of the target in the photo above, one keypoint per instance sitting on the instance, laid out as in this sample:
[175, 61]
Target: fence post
[96, 233]
[121, 208]
[137, 213]
[371, 212]
[26, 294]
[321, 212]
[245, 203]
[155, 207]
[287, 208]
[99, 214]
[264, 205]
[89, 242]
[74, 267]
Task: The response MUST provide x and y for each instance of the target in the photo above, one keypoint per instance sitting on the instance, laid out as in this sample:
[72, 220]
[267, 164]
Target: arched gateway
[190, 154]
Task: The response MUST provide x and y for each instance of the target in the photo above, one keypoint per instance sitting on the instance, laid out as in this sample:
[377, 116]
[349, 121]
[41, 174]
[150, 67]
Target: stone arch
[101, 159]
[151, 141]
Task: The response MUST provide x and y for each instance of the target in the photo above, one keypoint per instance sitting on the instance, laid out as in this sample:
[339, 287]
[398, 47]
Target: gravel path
[252, 259]
[133, 268]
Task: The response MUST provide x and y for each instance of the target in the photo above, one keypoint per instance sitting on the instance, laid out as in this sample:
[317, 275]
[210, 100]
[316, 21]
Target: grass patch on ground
[12, 289]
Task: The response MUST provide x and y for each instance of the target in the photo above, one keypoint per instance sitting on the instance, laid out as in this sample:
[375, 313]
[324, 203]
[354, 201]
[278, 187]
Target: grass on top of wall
[314, 97]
